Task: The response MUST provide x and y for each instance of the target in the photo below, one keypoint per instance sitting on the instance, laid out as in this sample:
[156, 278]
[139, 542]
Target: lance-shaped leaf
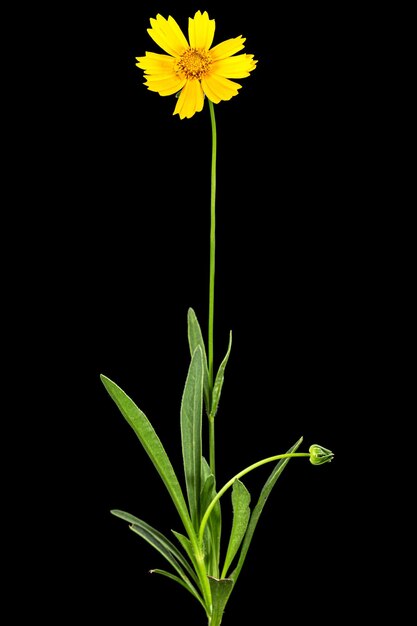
[267, 488]
[170, 552]
[152, 539]
[195, 338]
[213, 528]
[218, 383]
[241, 514]
[178, 580]
[152, 445]
[188, 548]
[191, 422]
[220, 592]
[159, 541]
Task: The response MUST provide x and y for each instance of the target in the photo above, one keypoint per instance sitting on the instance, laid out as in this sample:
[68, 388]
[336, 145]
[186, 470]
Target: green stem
[288, 455]
[212, 274]
[212, 445]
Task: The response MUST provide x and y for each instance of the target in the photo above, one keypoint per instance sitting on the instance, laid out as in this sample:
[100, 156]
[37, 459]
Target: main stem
[211, 281]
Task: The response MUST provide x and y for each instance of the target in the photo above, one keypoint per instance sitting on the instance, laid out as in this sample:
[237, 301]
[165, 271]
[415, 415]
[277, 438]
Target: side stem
[288, 455]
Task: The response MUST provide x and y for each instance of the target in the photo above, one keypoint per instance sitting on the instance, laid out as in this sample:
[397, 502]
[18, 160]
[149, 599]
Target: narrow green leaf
[151, 538]
[187, 545]
[191, 423]
[195, 556]
[213, 528]
[267, 488]
[220, 591]
[218, 383]
[208, 482]
[195, 338]
[152, 445]
[241, 514]
[181, 582]
[157, 539]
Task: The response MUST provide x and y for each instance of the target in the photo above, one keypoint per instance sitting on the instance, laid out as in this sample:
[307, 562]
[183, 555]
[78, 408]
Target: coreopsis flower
[194, 70]
[320, 455]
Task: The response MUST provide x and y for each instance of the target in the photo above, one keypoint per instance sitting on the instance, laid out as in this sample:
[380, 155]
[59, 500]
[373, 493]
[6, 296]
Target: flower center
[194, 63]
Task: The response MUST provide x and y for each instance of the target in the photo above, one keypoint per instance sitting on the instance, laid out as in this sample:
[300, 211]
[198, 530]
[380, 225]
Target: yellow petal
[201, 30]
[234, 67]
[191, 99]
[168, 35]
[219, 88]
[165, 86]
[227, 48]
[153, 63]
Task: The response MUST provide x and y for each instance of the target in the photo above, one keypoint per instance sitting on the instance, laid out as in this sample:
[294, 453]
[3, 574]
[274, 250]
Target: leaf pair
[156, 452]
[186, 575]
[195, 339]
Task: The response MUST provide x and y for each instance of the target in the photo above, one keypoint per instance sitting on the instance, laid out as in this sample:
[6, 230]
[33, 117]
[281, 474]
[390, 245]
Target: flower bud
[320, 455]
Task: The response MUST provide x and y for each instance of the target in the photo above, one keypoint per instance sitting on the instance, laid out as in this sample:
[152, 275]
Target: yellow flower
[194, 69]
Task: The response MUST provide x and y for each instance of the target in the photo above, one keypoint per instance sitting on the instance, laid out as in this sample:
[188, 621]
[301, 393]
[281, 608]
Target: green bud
[320, 455]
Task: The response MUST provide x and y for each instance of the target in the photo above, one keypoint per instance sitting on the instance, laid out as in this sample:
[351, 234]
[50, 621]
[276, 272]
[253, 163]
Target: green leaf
[267, 488]
[158, 540]
[213, 529]
[181, 582]
[152, 445]
[220, 591]
[152, 539]
[208, 490]
[191, 423]
[164, 547]
[241, 514]
[187, 545]
[218, 383]
[195, 338]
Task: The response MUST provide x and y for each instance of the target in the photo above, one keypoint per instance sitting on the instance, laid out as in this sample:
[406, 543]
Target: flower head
[320, 455]
[194, 69]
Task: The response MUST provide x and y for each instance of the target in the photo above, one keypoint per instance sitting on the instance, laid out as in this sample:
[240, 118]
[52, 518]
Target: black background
[121, 251]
